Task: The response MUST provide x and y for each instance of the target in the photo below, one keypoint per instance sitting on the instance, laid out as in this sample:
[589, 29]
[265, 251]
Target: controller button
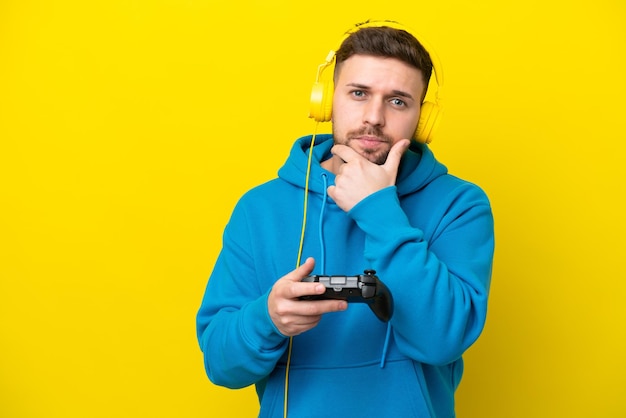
[368, 291]
[338, 280]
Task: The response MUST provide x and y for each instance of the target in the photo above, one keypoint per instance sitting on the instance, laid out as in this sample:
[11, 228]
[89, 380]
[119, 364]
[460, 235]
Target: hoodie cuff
[382, 218]
[259, 329]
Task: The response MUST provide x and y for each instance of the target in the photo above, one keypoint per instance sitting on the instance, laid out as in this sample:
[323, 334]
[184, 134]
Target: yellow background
[128, 130]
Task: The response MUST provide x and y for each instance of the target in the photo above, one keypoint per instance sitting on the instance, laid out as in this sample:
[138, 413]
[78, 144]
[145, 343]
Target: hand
[358, 177]
[291, 315]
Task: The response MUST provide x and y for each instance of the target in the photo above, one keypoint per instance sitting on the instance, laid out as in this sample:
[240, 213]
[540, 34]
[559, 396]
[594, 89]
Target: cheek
[337, 107]
[411, 125]
[403, 128]
[340, 116]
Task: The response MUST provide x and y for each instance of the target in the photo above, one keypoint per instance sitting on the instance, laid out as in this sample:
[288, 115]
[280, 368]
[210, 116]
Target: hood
[418, 166]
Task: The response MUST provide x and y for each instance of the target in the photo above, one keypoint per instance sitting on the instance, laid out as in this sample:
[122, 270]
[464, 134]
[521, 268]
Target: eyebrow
[395, 92]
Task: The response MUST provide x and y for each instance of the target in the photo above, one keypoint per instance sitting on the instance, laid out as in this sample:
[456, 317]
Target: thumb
[396, 152]
[303, 270]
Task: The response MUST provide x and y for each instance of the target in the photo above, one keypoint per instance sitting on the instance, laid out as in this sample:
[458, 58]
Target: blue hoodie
[430, 239]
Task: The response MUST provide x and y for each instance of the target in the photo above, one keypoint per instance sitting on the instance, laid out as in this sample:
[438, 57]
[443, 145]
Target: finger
[299, 289]
[292, 329]
[294, 287]
[344, 152]
[314, 308]
[396, 152]
[331, 191]
[303, 270]
[295, 324]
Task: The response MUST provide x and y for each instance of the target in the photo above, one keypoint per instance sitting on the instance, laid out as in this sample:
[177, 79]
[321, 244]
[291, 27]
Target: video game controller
[364, 288]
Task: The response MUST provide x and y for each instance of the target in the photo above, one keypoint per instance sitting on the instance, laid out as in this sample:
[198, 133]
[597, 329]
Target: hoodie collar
[418, 166]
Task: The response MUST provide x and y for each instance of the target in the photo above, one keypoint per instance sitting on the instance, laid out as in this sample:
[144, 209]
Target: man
[373, 200]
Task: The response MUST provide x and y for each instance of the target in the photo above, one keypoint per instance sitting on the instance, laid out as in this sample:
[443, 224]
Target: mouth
[369, 141]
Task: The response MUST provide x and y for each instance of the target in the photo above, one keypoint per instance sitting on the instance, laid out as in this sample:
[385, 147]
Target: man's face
[376, 103]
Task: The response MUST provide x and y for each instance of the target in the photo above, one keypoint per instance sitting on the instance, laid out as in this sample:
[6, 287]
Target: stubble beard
[375, 155]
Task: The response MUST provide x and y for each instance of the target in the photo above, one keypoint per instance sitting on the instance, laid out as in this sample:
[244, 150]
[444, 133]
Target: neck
[332, 164]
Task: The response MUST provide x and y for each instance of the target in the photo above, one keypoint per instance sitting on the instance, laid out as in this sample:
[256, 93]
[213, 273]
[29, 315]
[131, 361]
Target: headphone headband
[321, 95]
[437, 67]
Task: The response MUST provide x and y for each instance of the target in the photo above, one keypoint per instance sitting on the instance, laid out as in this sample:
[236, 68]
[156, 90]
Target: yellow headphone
[322, 93]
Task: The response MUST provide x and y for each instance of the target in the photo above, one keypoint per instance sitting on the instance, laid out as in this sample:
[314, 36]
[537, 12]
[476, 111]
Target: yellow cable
[306, 194]
[306, 200]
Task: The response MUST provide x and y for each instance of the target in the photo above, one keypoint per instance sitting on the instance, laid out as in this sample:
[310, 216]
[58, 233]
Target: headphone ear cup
[430, 116]
[321, 105]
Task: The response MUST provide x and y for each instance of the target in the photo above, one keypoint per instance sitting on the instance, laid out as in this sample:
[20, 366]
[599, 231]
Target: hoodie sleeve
[439, 274]
[238, 339]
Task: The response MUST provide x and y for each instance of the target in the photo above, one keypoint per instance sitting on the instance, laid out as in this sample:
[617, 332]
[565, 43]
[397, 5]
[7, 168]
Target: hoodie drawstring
[323, 261]
[386, 346]
[321, 224]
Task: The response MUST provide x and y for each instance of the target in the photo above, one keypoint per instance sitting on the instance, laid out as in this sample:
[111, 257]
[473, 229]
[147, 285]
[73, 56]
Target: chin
[375, 157]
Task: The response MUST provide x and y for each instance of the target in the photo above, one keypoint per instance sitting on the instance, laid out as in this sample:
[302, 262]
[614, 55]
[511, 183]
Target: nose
[374, 113]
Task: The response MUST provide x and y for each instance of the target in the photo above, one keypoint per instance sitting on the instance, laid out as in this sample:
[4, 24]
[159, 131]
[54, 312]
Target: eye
[398, 102]
[359, 94]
